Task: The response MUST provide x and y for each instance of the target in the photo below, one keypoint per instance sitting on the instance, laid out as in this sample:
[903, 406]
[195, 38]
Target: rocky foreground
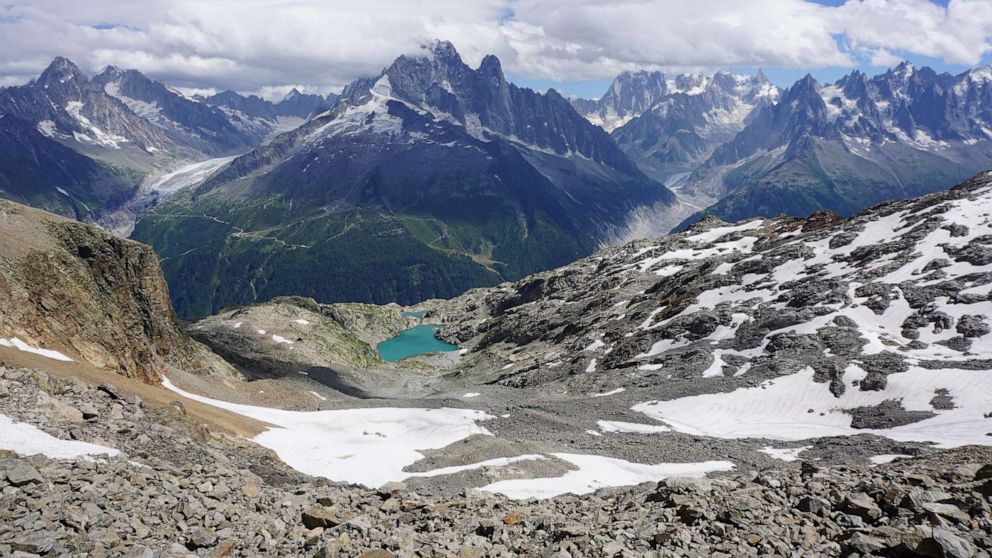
[180, 490]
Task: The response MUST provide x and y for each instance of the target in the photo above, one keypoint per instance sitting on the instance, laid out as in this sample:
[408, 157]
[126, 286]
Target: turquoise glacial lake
[415, 341]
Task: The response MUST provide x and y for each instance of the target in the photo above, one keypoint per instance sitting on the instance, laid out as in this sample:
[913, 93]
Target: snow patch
[606, 393]
[16, 343]
[364, 446]
[631, 427]
[784, 454]
[797, 408]
[26, 439]
[595, 472]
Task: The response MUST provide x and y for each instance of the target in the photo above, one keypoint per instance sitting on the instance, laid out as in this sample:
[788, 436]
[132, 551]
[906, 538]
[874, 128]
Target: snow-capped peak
[981, 73]
[293, 93]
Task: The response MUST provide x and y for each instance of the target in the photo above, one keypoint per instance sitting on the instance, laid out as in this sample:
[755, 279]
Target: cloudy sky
[578, 46]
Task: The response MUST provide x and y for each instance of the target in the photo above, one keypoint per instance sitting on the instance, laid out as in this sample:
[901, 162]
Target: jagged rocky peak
[748, 88]
[125, 84]
[643, 80]
[481, 101]
[491, 68]
[62, 79]
[980, 74]
[303, 105]
[633, 94]
[61, 71]
[436, 74]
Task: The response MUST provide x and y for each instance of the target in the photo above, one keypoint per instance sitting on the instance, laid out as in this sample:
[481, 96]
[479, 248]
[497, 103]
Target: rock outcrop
[294, 334]
[95, 297]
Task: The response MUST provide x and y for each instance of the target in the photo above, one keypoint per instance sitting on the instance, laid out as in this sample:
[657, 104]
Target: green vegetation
[217, 255]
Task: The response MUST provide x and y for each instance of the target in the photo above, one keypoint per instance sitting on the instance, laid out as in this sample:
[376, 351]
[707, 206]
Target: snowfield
[364, 446]
[795, 407]
[373, 446]
[595, 472]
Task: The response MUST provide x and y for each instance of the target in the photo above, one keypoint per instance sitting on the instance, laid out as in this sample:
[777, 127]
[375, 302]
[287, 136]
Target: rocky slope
[901, 285]
[428, 179]
[842, 381]
[748, 343]
[177, 490]
[98, 298]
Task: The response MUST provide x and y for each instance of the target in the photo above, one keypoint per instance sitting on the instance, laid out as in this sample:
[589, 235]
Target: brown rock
[323, 517]
[513, 518]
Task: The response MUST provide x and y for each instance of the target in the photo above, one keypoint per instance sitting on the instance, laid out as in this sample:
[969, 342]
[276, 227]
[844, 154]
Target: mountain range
[736, 146]
[434, 177]
[668, 124]
[83, 147]
[424, 181]
[853, 143]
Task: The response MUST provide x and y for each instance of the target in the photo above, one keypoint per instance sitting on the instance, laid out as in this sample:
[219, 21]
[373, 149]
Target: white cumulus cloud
[262, 45]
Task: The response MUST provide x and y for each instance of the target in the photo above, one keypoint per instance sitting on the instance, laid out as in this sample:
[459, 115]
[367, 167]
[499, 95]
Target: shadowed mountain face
[38, 171]
[424, 181]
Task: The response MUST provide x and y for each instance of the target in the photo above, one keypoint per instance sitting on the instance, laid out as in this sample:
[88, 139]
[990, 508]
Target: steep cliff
[74, 288]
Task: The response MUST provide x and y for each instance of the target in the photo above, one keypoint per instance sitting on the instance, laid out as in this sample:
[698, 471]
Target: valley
[733, 352]
[438, 313]
[793, 333]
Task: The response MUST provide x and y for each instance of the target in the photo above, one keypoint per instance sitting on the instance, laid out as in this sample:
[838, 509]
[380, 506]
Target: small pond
[415, 341]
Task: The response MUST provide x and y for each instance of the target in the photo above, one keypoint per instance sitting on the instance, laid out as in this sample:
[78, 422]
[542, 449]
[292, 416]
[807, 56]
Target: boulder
[23, 474]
